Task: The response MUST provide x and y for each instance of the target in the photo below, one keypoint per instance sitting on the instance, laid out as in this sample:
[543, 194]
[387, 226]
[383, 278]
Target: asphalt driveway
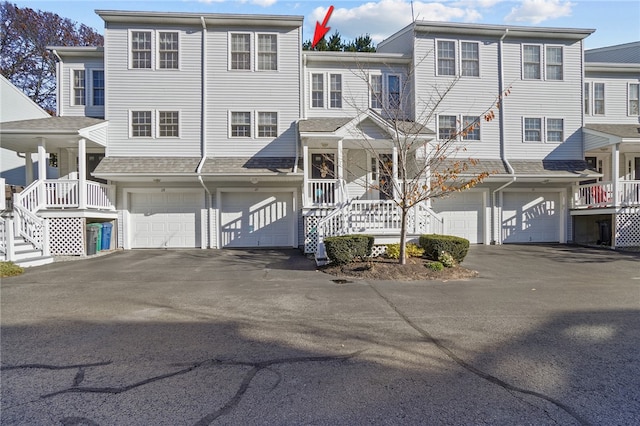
[545, 335]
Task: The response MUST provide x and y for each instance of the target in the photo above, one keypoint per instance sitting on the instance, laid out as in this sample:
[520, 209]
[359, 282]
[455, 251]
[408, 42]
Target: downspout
[303, 109]
[203, 126]
[503, 148]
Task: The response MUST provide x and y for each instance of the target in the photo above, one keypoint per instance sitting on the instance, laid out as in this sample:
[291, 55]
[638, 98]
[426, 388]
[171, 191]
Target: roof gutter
[503, 147]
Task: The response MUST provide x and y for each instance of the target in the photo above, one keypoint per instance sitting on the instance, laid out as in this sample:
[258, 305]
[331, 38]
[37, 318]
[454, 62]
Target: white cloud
[536, 11]
[264, 3]
[385, 17]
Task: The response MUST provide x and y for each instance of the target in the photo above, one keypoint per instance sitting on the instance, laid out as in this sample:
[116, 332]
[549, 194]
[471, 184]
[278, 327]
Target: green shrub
[345, 248]
[10, 269]
[412, 250]
[447, 260]
[434, 245]
[435, 266]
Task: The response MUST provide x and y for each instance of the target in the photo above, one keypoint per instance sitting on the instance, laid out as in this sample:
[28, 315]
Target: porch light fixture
[324, 144]
[156, 181]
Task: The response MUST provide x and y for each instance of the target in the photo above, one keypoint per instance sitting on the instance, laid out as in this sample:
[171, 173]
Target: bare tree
[428, 166]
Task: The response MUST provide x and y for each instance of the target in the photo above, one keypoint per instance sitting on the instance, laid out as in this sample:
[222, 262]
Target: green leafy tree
[24, 59]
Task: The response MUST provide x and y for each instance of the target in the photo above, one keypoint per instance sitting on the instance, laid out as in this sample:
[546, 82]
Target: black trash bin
[605, 232]
[93, 237]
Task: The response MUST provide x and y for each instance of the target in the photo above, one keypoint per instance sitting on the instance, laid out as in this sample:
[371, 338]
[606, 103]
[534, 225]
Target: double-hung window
[393, 91]
[553, 61]
[335, 90]
[141, 49]
[634, 98]
[168, 50]
[168, 124]
[555, 129]
[79, 87]
[598, 98]
[446, 57]
[141, 124]
[471, 128]
[97, 77]
[267, 52]
[587, 98]
[241, 124]
[317, 90]
[533, 130]
[470, 64]
[267, 124]
[531, 60]
[447, 127]
[375, 91]
[240, 51]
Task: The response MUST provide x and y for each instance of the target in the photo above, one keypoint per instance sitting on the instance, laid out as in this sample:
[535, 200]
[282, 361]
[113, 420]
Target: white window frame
[587, 95]
[131, 111]
[380, 100]
[73, 87]
[546, 130]
[546, 62]
[330, 91]
[593, 99]
[257, 51]
[251, 125]
[477, 43]
[463, 127]
[230, 52]
[455, 57]
[542, 130]
[455, 127]
[629, 99]
[157, 126]
[540, 63]
[130, 48]
[387, 93]
[157, 50]
[257, 121]
[104, 89]
[324, 90]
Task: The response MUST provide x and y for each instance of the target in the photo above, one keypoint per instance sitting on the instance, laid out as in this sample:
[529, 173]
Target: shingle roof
[147, 165]
[480, 166]
[620, 130]
[568, 168]
[58, 124]
[330, 124]
[249, 165]
[628, 53]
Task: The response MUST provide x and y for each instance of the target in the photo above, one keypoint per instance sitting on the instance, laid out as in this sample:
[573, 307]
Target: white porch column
[306, 172]
[42, 159]
[615, 171]
[340, 173]
[82, 173]
[28, 169]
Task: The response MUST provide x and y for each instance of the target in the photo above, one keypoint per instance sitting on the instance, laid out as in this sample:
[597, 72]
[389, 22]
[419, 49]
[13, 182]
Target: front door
[323, 168]
[385, 176]
[637, 169]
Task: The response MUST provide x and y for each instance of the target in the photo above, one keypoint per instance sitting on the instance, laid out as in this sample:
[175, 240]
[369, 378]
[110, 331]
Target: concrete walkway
[545, 335]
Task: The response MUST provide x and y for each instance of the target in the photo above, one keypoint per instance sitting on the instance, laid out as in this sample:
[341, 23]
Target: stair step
[26, 254]
[34, 261]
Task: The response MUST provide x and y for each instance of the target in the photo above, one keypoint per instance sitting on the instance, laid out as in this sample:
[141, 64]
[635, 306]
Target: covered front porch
[50, 215]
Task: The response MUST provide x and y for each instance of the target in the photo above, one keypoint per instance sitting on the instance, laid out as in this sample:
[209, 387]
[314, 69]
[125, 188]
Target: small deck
[602, 195]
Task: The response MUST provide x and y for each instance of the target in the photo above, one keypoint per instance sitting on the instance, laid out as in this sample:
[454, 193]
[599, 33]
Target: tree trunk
[403, 237]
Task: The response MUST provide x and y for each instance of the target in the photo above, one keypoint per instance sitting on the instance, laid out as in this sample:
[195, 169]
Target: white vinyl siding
[335, 90]
[470, 59]
[93, 79]
[618, 93]
[79, 87]
[141, 49]
[531, 62]
[240, 51]
[634, 98]
[446, 57]
[267, 52]
[168, 51]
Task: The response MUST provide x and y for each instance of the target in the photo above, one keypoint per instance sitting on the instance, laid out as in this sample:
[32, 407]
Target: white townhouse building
[217, 130]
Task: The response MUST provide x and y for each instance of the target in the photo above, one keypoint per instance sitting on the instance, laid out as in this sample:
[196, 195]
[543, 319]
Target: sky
[615, 21]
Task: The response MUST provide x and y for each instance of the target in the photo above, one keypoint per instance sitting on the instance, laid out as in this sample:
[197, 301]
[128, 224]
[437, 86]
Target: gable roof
[65, 124]
[624, 131]
[335, 124]
[628, 53]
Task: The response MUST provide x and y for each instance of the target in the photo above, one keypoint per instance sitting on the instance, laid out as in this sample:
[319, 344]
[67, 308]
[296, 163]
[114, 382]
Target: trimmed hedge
[434, 245]
[345, 248]
[412, 250]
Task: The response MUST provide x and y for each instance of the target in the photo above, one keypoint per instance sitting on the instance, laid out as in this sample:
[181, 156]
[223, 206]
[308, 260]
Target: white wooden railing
[32, 228]
[324, 191]
[100, 196]
[63, 193]
[600, 194]
[5, 238]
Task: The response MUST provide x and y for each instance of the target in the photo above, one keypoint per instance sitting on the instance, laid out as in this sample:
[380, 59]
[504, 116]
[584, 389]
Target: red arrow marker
[322, 30]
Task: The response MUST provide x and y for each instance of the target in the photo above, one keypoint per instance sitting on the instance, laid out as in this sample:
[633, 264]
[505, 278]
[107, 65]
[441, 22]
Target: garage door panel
[531, 217]
[463, 215]
[257, 219]
[165, 220]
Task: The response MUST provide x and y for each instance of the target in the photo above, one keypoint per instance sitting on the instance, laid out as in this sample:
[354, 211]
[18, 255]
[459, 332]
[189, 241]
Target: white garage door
[463, 215]
[254, 219]
[531, 217]
[167, 219]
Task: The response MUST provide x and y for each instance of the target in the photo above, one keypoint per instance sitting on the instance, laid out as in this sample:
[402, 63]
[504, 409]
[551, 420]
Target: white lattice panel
[66, 236]
[311, 233]
[378, 250]
[628, 230]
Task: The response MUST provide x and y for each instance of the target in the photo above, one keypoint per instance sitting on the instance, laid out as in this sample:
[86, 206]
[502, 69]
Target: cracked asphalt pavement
[546, 335]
